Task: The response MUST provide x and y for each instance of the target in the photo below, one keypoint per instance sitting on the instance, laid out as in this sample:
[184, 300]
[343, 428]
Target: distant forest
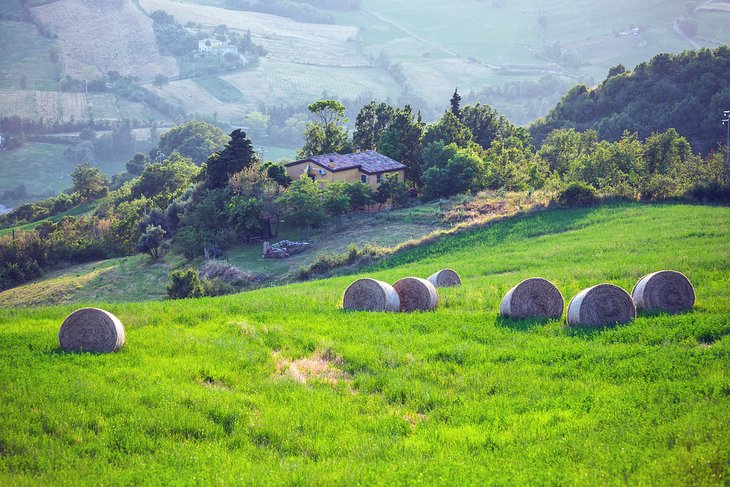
[687, 91]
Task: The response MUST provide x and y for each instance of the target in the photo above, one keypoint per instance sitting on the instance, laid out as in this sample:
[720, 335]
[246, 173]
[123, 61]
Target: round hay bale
[91, 330]
[416, 294]
[445, 278]
[601, 305]
[371, 295]
[533, 298]
[666, 291]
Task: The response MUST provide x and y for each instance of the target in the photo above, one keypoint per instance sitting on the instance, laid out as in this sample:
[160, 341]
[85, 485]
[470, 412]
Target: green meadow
[280, 386]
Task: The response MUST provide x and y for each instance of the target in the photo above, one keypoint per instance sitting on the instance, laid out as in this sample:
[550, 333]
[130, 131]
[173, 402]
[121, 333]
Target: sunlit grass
[454, 396]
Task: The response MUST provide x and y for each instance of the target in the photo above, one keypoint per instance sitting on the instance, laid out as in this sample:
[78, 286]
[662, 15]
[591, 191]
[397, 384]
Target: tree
[184, 283]
[123, 139]
[237, 155]
[456, 104]
[403, 140]
[196, 140]
[244, 216]
[390, 188]
[360, 194]
[161, 80]
[449, 130]
[371, 121]
[485, 124]
[302, 204]
[450, 170]
[151, 240]
[164, 181]
[336, 199]
[666, 152]
[136, 165]
[88, 181]
[329, 134]
[276, 172]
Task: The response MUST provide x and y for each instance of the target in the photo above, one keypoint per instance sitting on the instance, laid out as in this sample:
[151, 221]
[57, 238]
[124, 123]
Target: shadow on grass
[527, 324]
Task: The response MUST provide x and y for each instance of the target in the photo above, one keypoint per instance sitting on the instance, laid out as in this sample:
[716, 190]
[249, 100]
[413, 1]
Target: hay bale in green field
[91, 330]
[416, 294]
[445, 278]
[532, 298]
[601, 305]
[370, 295]
[666, 291]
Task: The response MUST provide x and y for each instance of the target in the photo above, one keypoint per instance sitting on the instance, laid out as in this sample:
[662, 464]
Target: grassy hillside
[137, 278]
[280, 386]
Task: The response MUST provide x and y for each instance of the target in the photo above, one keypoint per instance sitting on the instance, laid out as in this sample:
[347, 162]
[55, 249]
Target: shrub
[184, 283]
[223, 271]
[217, 287]
[577, 194]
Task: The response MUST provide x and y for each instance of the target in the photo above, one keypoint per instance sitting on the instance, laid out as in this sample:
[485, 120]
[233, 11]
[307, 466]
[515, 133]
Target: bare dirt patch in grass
[321, 366]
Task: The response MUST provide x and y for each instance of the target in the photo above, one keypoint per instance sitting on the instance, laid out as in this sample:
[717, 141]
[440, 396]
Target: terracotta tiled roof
[369, 162]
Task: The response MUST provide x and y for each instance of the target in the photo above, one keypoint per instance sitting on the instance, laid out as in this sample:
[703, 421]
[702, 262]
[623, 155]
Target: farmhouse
[368, 167]
[210, 45]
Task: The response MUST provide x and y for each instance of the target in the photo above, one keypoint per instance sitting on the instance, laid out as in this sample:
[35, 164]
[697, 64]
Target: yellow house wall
[350, 176]
[372, 179]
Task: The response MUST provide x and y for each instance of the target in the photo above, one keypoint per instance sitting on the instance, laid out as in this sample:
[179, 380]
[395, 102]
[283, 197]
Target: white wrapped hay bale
[416, 294]
[371, 295]
[601, 305]
[533, 298]
[91, 330]
[666, 291]
[445, 278]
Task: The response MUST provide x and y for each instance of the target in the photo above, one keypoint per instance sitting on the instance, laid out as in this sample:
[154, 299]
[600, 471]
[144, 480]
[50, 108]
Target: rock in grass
[371, 295]
[601, 305]
[445, 278]
[416, 294]
[91, 330]
[533, 298]
[665, 291]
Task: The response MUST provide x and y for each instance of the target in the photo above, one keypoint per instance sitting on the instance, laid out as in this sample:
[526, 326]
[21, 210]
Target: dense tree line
[687, 92]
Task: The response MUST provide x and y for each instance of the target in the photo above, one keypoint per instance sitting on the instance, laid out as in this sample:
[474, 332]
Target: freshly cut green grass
[205, 390]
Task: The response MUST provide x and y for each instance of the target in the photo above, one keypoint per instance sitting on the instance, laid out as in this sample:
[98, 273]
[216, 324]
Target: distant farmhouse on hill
[367, 167]
[210, 45]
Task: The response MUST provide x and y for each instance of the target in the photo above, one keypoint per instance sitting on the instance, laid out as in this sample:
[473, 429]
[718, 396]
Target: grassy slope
[39, 166]
[428, 398]
[26, 51]
[136, 278]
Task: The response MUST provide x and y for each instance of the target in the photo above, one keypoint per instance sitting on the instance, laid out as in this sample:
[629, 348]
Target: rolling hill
[280, 386]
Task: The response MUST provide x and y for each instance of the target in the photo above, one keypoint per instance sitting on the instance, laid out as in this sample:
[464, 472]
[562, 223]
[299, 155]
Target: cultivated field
[281, 82]
[195, 99]
[25, 53]
[48, 105]
[108, 35]
[285, 39]
[280, 386]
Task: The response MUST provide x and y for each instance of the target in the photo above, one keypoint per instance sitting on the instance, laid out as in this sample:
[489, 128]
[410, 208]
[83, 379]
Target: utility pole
[726, 123]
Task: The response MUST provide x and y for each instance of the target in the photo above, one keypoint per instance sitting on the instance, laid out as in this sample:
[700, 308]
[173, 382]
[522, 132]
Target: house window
[363, 178]
[379, 177]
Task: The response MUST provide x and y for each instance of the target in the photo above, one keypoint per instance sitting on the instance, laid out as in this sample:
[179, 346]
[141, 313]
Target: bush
[220, 270]
[326, 262]
[217, 287]
[710, 193]
[577, 194]
[185, 283]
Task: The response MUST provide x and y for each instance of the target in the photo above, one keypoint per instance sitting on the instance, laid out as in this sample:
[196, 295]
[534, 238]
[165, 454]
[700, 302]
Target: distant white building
[211, 45]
